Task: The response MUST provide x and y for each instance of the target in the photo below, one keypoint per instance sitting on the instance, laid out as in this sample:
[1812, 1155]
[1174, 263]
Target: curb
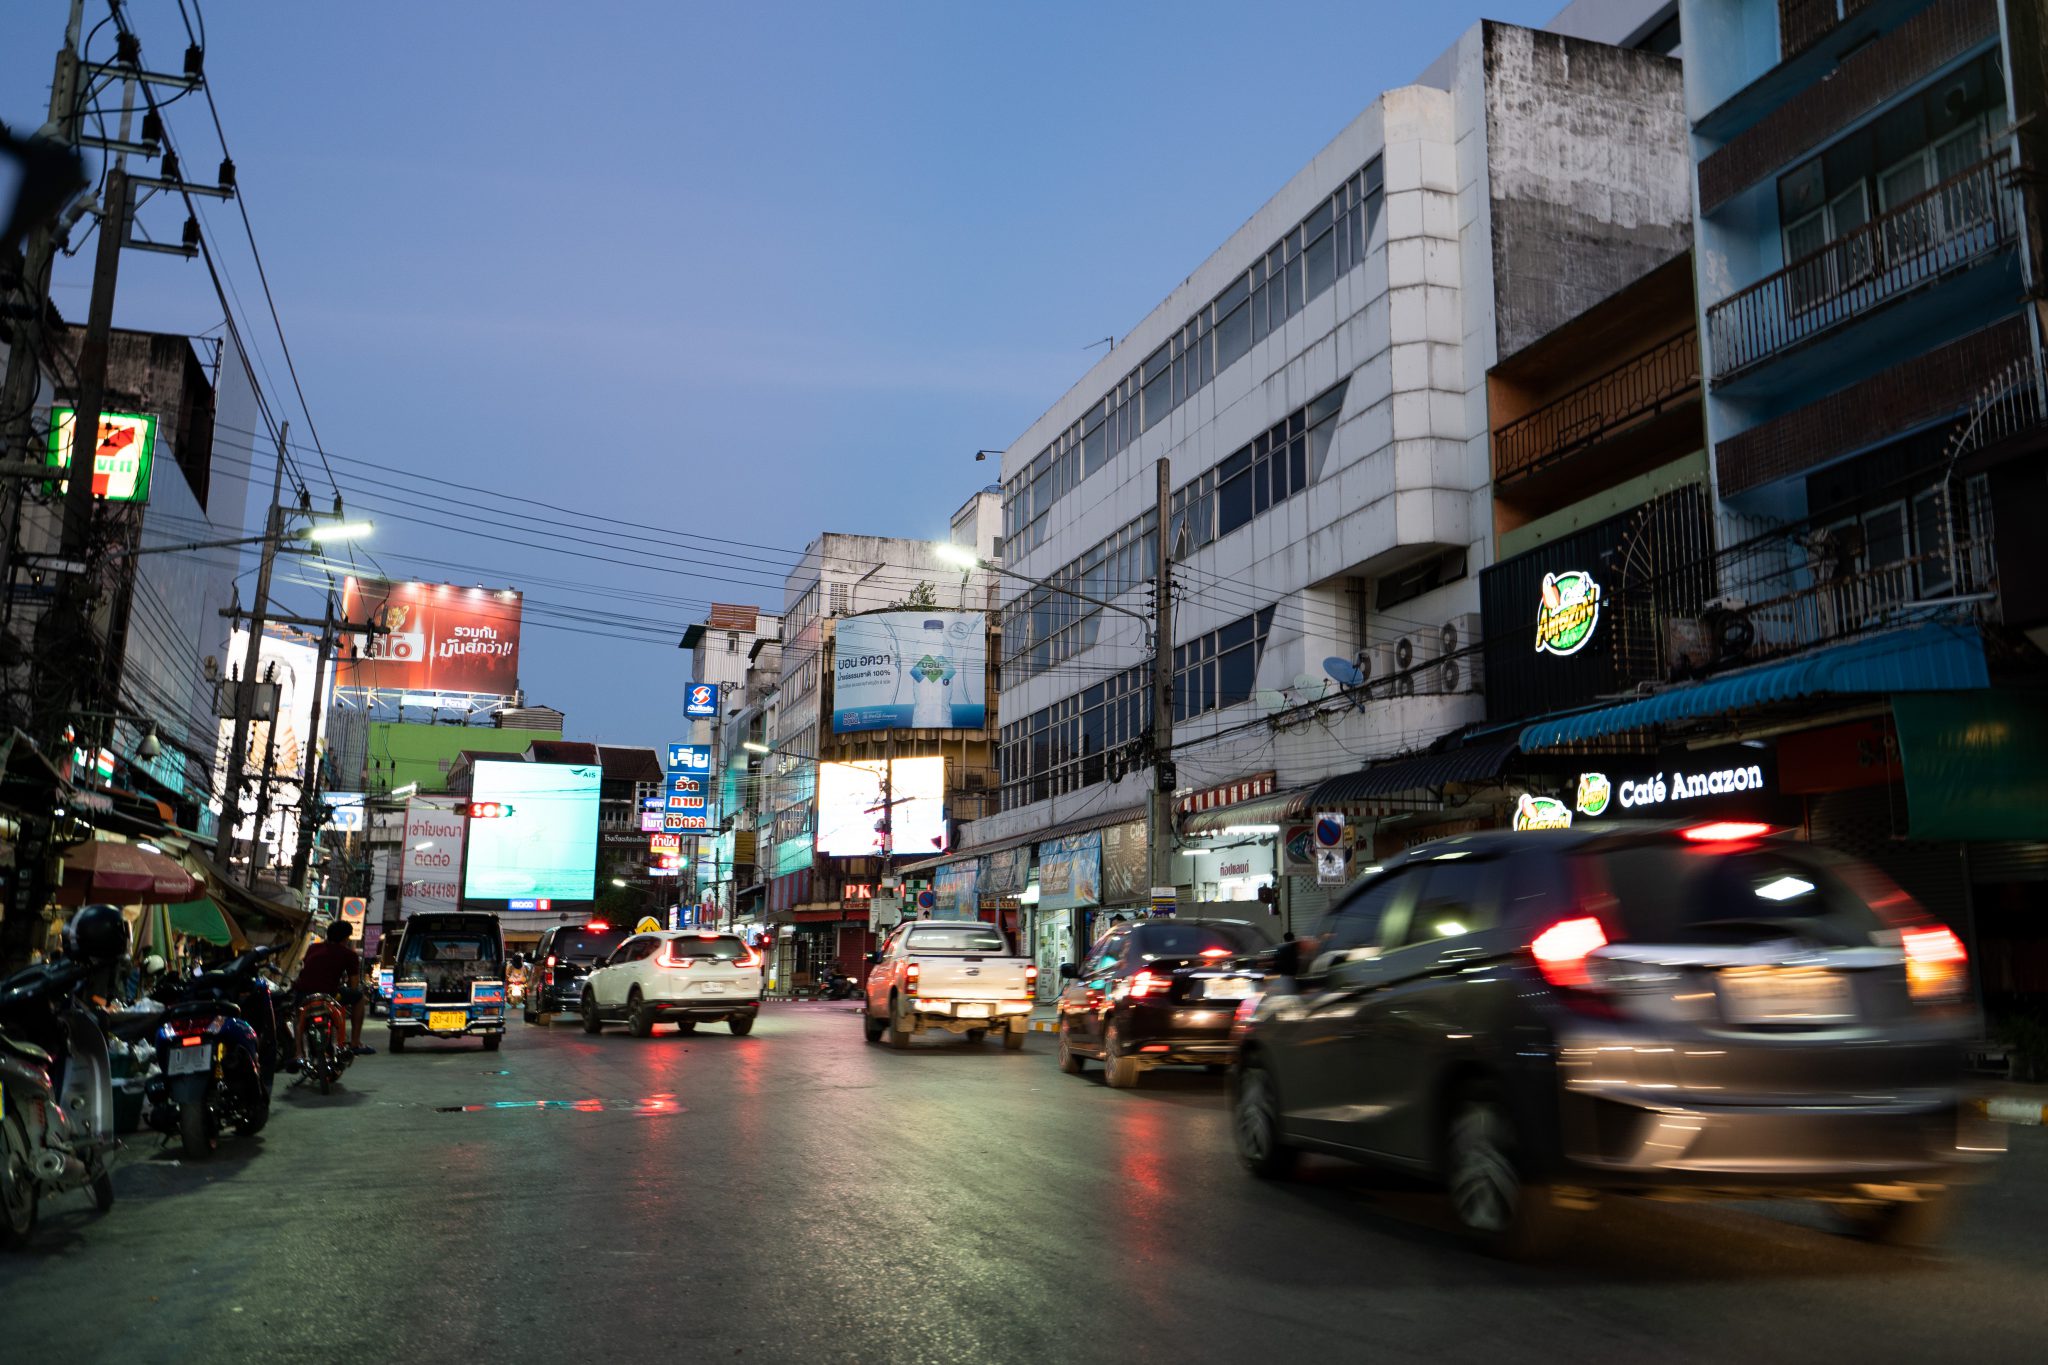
[2013, 1109]
[1045, 1026]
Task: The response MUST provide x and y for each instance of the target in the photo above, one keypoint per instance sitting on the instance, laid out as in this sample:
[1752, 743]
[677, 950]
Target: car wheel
[18, 1193]
[1918, 1222]
[1013, 1041]
[492, 1041]
[1508, 1215]
[1255, 1123]
[686, 1026]
[872, 1027]
[899, 1024]
[741, 1025]
[1071, 1061]
[1119, 1068]
[394, 1040]
[591, 1023]
[639, 1017]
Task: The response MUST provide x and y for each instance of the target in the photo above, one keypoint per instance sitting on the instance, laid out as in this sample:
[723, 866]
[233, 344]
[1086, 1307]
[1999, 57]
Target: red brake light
[1031, 979]
[1215, 952]
[910, 978]
[671, 958]
[707, 935]
[1561, 950]
[751, 959]
[1935, 961]
[597, 926]
[1145, 983]
[1724, 831]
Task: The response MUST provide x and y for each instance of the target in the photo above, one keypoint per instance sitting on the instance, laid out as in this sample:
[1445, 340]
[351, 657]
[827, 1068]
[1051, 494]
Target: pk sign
[700, 702]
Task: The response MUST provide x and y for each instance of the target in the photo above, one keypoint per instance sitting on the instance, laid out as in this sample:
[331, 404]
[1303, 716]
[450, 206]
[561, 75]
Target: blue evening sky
[751, 271]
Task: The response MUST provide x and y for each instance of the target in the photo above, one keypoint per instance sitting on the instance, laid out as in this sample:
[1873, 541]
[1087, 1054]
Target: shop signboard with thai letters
[1070, 871]
[1007, 871]
[1126, 871]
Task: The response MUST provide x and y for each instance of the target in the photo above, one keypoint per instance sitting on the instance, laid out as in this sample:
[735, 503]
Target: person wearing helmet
[96, 934]
[335, 968]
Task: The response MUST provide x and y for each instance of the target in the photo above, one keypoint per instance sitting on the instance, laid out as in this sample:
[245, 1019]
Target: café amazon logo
[1570, 610]
[1542, 812]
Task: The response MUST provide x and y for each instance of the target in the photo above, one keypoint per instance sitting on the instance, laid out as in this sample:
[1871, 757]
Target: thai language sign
[430, 637]
[1070, 871]
[919, 670]
[430, 864]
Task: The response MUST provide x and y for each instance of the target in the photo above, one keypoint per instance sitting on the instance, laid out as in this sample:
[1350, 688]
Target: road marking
[653, 1104]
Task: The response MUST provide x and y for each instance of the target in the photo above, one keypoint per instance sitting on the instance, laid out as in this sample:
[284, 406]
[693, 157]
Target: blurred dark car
[1157, 993]
[1540, 1018]
[562, 958]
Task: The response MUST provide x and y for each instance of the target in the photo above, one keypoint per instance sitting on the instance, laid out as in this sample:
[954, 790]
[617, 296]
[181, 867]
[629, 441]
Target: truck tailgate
[945, 977]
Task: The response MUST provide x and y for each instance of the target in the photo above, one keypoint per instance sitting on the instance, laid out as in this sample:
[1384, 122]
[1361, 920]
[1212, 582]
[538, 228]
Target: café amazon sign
[1568, 612]
[1598, 794]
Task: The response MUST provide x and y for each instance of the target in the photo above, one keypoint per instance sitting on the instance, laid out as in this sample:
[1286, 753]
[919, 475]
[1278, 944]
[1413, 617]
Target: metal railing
[1639, 386]
[1966, 217]
[1802, 23]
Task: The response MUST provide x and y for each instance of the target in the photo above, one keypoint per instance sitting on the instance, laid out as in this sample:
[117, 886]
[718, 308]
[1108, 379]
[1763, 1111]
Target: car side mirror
[1069, 972]
[875, 959]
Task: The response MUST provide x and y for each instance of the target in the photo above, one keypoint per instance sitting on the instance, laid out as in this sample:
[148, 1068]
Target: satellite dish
[1344, 671]
[1311, 687]
[1268, 700]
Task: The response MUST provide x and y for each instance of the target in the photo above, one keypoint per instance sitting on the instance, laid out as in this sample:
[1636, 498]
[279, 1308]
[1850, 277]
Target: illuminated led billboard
[850, 808]
[540, 836]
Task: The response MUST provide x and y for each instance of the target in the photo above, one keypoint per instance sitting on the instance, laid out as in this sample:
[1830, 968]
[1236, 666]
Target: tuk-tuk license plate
[185, 1060]
[445, 1020]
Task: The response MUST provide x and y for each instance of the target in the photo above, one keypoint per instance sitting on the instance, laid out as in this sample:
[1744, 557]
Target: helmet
[97, 933]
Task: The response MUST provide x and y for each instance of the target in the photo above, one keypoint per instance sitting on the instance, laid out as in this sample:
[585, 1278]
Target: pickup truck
[956, 975]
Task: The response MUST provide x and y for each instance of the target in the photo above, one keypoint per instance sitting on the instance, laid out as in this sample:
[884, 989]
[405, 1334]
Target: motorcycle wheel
[102, 1187]
[254, 1110]
[18, 1193]
[195, 1142]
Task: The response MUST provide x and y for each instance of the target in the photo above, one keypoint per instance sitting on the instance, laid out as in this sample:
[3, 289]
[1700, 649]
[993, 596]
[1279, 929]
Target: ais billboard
[430, 637]
[923, 670]
[540, 836]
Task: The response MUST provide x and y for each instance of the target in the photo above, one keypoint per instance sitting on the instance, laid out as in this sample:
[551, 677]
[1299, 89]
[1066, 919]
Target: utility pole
[269, 776]
[1159, 835]
[309, 784]
[245, 687]
[27, 341]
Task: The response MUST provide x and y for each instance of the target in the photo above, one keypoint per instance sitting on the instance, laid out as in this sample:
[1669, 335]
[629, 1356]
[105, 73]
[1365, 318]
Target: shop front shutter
[2008, 861]
[1860, 822]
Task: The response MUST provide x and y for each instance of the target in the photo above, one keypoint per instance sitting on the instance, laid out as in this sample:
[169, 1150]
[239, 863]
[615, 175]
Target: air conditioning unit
[1376, 662]
[976, 780]
[1460, 670]
[1412, 656]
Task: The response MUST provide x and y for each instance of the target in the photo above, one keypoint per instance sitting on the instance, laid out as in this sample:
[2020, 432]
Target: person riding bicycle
[334, 968]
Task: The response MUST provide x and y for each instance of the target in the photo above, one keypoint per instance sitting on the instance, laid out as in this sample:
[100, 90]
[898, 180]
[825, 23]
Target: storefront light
[1251, 829]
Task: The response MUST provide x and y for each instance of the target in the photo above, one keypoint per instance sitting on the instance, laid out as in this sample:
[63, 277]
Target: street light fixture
[960, 556]
[340, 530]
[619, 882]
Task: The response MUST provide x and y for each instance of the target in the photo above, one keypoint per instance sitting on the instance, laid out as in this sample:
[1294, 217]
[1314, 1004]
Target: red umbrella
[125, 873]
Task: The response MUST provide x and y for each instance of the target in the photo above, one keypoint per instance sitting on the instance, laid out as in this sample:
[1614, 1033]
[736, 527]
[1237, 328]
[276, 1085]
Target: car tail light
[751, 958]
[1935, 963]
[670, 957]
[547, 972]
[1724, 831]
[1215, 952]
[1150, 983]
[910, 979]
[1562, 949]
[1031, 979]
[596, 926]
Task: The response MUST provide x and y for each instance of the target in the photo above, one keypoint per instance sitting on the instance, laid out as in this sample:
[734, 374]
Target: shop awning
[1976, 764]
[1263, 810]
[205, 919]
[1424, 772]
[1923, 658]
[124, 874]
[243, 904]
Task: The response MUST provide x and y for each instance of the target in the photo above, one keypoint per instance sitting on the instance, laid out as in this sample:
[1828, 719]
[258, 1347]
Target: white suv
[683, 978]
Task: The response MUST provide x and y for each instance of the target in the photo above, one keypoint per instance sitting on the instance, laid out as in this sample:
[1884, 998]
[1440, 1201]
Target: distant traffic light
[490, 810]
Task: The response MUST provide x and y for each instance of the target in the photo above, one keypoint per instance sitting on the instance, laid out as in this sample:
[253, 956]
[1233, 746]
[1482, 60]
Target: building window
[1276, 465]
[1303, 264]
[1218, 670]
[1064, 747]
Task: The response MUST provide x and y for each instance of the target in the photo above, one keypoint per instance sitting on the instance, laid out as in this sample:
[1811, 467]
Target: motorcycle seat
[27, 1050]
[186, 1009]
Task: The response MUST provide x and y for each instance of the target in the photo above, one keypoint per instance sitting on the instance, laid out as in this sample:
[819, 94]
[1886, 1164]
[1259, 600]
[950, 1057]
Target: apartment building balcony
[1634, 412]
[1900, 264]
[1748, 76]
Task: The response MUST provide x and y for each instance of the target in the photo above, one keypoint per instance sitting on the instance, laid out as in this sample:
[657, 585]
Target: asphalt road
[800, 1195]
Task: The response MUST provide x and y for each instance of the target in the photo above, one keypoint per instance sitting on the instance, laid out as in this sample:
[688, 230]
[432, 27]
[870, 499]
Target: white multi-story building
[1317, 391]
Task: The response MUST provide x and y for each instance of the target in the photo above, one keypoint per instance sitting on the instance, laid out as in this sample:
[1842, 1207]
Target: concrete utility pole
[309, 784]
[1159, 835]
[27, 341]
[245, 686]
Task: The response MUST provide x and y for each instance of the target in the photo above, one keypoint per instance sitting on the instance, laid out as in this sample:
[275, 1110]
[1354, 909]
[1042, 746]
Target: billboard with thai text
[430, 637]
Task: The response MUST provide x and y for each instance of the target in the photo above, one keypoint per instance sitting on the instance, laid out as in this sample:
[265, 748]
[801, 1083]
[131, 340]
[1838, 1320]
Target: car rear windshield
[1712, 895]
[586, 947]
[1155, 941]
[724, 948]
[448, 948]
[961, 938]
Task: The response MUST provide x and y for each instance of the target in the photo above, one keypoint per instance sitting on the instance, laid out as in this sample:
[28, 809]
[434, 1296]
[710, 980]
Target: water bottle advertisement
[910, 670]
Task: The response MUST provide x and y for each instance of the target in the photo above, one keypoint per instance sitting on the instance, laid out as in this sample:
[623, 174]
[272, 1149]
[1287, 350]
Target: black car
[565, 953]
[1157, 993]
[1541, 1018]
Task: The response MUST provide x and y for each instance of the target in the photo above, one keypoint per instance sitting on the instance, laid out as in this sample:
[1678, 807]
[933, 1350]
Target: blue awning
[1933, 657]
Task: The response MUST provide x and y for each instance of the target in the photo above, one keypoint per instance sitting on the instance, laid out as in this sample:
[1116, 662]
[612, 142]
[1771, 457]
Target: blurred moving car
[1541, 1017]
[560, 960]
[449, 980]
[955, 975]
[1157, 993]
[683, 977]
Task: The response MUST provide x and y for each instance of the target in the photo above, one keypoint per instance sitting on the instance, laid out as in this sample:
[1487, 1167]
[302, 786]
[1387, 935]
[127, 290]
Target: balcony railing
[1640, 386]
[1964, 219]
[1802, 23]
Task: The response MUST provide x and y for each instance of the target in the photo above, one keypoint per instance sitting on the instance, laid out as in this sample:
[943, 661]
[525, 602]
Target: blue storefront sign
[686, 791]
[700, 701]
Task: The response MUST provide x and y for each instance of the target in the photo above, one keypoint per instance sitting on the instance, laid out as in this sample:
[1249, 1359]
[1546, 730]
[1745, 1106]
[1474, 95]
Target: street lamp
[619, 882]
[962, 557]
[340, 530]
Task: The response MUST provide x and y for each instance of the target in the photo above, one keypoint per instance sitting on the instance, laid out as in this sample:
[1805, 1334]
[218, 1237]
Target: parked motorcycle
[56, 1086]
[216, 1049]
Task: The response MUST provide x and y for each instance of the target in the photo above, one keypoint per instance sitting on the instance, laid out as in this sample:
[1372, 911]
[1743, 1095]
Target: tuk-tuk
[449, 979]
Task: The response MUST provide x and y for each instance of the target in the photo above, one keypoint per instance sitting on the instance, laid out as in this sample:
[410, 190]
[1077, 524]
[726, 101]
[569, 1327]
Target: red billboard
[430, 637]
